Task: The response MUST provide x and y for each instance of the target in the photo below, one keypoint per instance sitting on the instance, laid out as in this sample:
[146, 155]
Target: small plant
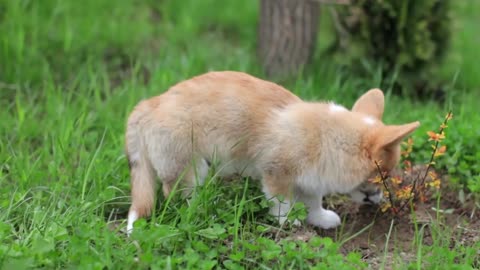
[402, 37]
[400, 193]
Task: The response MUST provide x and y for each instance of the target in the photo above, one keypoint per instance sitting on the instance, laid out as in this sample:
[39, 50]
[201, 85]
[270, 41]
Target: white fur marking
[325, 219]
[377, 198]
[132, 217]
[317, 216]
[201, 172]
[134, 157]
[357, 196]
[336, 108]
[369, 120]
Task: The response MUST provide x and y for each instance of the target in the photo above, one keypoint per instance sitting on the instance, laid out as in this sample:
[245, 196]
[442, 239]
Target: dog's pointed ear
[371, 103]
[393, 135]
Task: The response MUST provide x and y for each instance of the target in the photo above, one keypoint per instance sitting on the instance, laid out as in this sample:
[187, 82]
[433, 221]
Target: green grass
[72, 71]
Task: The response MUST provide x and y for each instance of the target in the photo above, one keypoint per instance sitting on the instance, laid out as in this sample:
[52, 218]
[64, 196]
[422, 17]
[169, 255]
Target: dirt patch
[368, 231]
[377, 236]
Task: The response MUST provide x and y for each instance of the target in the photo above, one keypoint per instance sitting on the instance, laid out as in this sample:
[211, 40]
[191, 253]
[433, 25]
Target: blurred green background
[71, 71]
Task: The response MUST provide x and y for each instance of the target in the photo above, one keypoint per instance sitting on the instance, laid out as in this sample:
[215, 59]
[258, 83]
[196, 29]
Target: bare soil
[367, 230]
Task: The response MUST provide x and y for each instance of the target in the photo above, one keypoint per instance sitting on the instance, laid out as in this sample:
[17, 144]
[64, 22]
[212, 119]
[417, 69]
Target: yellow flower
[404, 193]
[435, 183]
[440, 151]
[396, 180]
[434, 180]
[435, 136]
[385, 206]
[375, 180]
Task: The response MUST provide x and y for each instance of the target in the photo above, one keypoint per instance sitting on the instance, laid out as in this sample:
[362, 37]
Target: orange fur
[259, 129]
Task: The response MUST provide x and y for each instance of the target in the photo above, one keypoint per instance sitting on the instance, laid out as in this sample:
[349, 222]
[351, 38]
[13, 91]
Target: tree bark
[287, 35]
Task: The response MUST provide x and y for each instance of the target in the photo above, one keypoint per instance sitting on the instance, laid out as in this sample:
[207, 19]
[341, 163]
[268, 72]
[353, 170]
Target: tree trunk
[287, 35]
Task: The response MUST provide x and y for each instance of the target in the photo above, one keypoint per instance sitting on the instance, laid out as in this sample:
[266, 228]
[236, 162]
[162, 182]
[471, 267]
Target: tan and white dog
[300, 150]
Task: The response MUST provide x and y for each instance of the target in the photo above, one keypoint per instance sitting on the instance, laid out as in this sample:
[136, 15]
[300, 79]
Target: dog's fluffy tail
[142, 175]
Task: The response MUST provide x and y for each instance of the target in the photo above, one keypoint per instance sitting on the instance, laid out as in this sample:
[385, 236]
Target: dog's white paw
[324, 219]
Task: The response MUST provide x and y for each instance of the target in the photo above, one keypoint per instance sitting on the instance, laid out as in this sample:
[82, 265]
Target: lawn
[71, 72]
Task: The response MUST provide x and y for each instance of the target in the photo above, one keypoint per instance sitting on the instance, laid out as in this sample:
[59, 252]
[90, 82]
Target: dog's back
[179, 132]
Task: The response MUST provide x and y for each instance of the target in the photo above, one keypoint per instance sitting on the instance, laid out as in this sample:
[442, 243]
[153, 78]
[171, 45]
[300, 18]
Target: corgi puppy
[258, 129]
